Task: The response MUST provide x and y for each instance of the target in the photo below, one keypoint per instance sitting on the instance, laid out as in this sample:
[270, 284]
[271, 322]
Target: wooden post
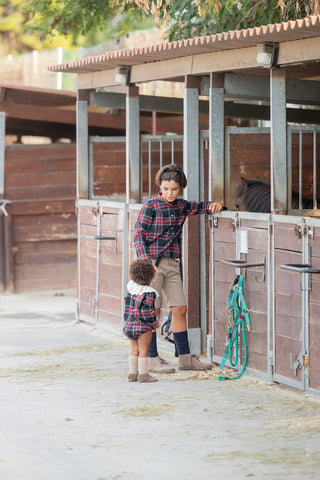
[278, 140]
[8, 253]
[133, 183]
[191, 166]
[82, 150]
[216, 138]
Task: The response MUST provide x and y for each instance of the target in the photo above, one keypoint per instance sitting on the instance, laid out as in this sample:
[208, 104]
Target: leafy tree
[187, 18]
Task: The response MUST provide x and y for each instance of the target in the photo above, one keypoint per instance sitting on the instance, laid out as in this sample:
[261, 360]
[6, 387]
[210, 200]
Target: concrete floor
[68, 412]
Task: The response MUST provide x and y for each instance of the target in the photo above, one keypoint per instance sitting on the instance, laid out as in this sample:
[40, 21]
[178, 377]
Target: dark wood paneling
[40, 181]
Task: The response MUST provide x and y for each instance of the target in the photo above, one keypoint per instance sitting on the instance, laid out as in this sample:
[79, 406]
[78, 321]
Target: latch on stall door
[301, 361]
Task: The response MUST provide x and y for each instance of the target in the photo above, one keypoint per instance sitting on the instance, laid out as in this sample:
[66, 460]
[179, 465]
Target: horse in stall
[254, 195]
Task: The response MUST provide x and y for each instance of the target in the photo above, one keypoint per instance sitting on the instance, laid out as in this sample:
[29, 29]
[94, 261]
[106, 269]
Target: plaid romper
[139, 312]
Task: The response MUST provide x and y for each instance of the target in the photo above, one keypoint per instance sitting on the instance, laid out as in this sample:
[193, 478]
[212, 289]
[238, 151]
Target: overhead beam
[301, 92]
[305, 50]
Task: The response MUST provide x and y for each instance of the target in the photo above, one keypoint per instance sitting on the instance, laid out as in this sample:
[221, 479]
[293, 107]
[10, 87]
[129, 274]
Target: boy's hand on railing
[216, 207]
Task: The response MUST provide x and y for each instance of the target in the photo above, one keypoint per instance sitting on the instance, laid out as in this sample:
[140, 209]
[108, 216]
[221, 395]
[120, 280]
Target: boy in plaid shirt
[140, 319]
[157, 238]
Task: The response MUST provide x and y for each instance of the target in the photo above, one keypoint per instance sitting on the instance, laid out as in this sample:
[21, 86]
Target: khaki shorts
[169, 283]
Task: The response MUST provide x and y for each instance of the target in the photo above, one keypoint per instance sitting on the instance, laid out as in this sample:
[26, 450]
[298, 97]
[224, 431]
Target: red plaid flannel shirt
[159, 225]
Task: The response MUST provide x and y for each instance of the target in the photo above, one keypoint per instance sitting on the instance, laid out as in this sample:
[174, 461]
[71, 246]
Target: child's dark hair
[142, 271]
[171, 172]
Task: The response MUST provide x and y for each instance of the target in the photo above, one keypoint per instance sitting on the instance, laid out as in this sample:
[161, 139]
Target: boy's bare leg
[133, 361]
[144, 341]
[179, 319]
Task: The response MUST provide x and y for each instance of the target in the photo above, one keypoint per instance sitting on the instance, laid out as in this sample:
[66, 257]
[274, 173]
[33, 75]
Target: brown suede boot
[146, 378]
[192, 362]
[132, 377]
[159, 365]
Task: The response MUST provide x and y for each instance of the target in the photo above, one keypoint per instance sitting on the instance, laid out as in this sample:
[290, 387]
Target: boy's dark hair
[142, 271]
[171, 172]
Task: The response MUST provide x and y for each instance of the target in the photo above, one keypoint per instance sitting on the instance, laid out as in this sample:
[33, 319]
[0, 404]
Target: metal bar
[8, 252]
[289, 156]
[149, 167]
[191, 142]
[315, 193]
[161, 153]
[270, 296]
[82, 150]
[203, 283]
[242, 263]
[2, 150]
[125, 259]
[133, 191]
[306, 257]
[300, 170]
[172, 151]
[278, 160]
[98, 264]
[216, 138]
[300, 267]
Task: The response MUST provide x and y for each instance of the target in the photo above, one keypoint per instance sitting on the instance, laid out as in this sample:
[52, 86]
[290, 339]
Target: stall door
[290, 302]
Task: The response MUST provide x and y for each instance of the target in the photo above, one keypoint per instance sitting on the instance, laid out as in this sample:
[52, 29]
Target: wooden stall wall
[87, 291]
[110, 266]
[109, 169]
[101, 257]
[40, 182]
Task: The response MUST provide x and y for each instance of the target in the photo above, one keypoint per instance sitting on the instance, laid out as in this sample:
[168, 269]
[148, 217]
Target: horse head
[253, 195]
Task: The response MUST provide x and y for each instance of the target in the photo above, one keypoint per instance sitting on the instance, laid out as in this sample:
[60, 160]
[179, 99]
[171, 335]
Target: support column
[216, 138]
[82, 150]
[2, 150]
[133, 183]
[278, 142]
[191, 167]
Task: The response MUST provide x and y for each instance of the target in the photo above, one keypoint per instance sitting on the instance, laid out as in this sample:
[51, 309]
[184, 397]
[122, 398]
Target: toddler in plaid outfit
[157, 238]
[140, 318]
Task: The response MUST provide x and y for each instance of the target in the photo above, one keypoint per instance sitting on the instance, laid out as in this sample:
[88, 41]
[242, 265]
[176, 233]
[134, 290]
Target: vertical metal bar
[315, 192]
[133, 192]
[161, 153]
[216, 138]
[305, 302]
[172, 151]
[289, 156]
[270, 304]
[300, 170]
[124, 257]
[141, 169]
[278, 161]
[227, 179]
[192, 192]
[2, 150]
[191, 142]
[96, 305]
[90, 171]
[149, 168]
[82, 150]
[203, 276]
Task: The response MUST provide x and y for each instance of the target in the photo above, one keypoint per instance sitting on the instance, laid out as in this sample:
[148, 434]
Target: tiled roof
[280, 32]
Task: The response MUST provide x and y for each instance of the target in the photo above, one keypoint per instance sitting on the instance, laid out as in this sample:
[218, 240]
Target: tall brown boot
[192, 362]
